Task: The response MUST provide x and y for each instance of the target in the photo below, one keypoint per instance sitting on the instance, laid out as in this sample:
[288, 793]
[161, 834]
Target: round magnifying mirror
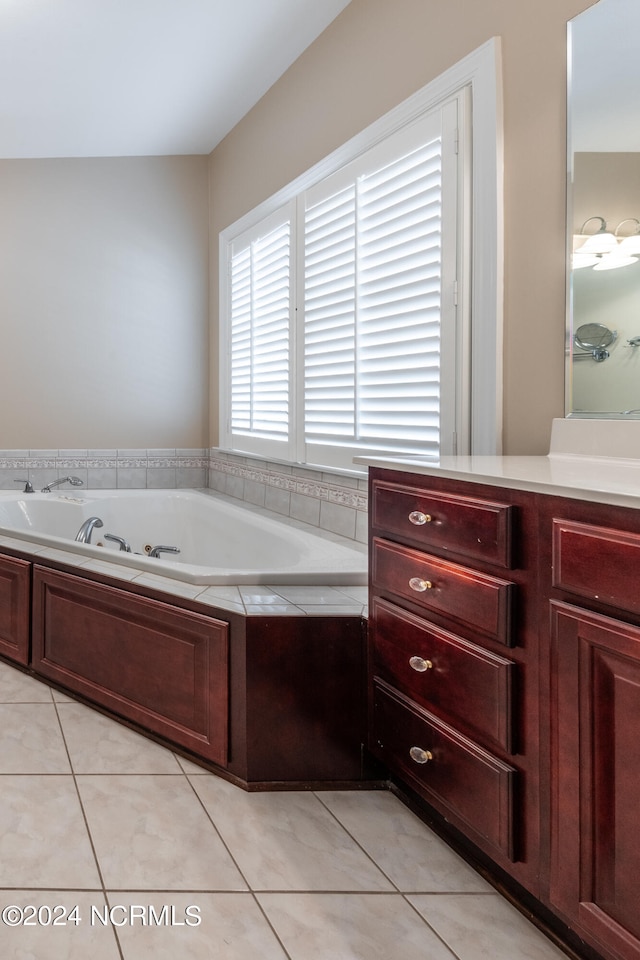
[595, 337]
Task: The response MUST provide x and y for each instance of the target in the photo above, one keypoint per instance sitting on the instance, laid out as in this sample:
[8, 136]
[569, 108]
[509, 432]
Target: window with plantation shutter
[340, 304]
[373, 299]
[360, 306]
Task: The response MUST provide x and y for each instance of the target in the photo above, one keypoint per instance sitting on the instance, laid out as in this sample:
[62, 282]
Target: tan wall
[104, 305]
[606, 185]
[377, 53]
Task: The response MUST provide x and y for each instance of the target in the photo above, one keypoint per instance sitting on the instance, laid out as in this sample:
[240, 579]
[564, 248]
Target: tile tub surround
[120, 822]
[335, 502]
[107, 469]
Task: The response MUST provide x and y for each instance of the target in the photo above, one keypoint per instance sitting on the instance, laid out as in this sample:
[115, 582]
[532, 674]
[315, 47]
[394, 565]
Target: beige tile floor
[112, 848]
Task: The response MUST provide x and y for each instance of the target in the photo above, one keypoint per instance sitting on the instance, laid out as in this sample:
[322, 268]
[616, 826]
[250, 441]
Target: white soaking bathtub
[219, 542]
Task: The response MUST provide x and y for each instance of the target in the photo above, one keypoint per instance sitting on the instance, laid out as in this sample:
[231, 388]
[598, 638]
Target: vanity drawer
[475, 599]
[597, 563]
[449, 770]
[454, 678]
[478, 529]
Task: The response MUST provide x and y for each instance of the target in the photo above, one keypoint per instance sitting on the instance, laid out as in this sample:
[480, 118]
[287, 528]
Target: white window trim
[481, 71]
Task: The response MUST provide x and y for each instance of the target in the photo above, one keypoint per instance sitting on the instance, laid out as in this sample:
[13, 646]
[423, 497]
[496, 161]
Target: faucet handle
[28, 488]
[125, 547]
[161, 548]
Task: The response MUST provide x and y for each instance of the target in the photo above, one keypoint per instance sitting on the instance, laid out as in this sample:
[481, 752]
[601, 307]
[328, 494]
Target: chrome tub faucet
[84, 533]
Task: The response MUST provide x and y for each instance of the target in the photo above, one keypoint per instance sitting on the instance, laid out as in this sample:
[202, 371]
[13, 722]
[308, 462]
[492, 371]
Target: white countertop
[589, 459]
[602, 479]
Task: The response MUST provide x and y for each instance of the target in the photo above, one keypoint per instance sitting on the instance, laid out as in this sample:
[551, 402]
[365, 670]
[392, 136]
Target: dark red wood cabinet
[504, 687]
[298, 701]
[596, 761]
[592, 582]
[15, 587]
[453, 657]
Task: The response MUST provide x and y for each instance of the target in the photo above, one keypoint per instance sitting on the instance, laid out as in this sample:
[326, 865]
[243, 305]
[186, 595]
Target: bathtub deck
[247, 599]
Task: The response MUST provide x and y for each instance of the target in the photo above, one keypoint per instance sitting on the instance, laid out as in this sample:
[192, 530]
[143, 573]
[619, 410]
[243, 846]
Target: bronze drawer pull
[420, 585]
[418, 755]
[419, 664]
[417, 517]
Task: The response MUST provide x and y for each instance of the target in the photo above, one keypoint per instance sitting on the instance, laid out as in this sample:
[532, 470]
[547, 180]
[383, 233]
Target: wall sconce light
[604, 250]
[630, 245]
[600, 242]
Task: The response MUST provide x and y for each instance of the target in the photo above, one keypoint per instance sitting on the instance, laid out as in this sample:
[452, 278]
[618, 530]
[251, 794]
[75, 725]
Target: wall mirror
[603, 219]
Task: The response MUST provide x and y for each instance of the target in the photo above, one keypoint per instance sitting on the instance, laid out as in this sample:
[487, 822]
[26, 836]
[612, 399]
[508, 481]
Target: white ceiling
[81, 78]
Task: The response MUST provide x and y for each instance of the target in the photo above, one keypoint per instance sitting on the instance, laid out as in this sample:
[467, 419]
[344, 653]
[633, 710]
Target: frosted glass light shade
[601, 242]
[614, 260]
[580, 260]
[630, 245]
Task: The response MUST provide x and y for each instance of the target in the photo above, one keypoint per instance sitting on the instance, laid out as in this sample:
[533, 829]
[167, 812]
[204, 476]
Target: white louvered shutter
[259, 341]
[329, 310]
[372, 302]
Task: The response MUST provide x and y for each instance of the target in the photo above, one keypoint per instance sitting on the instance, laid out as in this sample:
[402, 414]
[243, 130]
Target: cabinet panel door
[596, 760]
[15, 578]
[160, 666]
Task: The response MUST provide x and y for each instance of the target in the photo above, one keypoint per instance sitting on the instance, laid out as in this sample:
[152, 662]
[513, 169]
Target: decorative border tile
[26, 460]
[333, 492]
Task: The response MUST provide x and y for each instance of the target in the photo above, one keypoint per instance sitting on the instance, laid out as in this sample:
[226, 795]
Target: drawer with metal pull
[477, 600]
[467, 526]
[447, 768]
[456, 679]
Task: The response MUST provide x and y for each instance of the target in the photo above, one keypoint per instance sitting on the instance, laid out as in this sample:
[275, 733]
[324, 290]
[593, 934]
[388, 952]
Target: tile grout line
[403, 893]
[360, 847]
[398, 891]
[431, 927]
[86, 823]
[270, 925]
[213, 824]
[237, 866]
